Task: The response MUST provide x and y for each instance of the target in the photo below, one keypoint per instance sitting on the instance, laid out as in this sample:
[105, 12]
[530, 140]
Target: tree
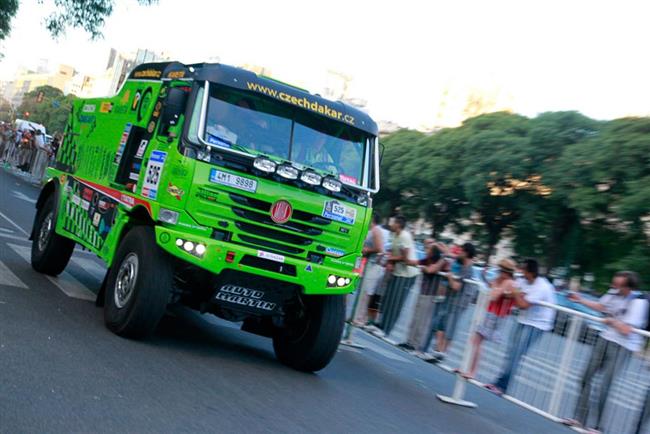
[52, 111]
[565, 188]
[6, 111]
[89, 15]
[8, 9]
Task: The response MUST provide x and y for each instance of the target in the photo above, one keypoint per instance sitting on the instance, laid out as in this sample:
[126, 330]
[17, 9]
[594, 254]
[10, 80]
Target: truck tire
[50, 251]
[309, 344]
[138, 286]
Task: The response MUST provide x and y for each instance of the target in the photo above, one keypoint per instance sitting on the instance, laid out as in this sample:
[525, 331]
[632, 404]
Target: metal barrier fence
[549, 377]
[28, 163]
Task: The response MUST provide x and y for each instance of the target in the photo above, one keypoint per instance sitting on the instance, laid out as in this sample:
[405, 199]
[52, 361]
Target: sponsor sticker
[177, 192]
[89, 108]
[127, 200]
[152, 176]
[335, 210]
[348, 179]
[334, 252]
[85, 205]
[106, 107]
[141, 148]
[235, 181]
[270, 256]
[96, 219]
[76, 200]
[309, 268]
[123, 139]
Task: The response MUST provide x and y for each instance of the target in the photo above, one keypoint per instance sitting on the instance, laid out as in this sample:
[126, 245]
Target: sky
[402, 56]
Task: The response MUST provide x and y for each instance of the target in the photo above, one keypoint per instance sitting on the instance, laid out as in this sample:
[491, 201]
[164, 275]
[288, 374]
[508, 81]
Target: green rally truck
[216, 188]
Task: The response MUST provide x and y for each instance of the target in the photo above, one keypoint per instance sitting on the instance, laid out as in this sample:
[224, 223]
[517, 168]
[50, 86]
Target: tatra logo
[281, 211]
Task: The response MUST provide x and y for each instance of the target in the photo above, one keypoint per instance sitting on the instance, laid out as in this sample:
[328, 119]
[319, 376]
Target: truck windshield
[258, 125]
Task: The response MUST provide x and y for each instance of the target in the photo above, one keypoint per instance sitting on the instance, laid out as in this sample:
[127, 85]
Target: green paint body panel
[95, 209]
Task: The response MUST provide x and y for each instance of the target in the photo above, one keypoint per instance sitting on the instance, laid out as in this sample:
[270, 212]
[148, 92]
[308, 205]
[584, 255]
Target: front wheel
[309, 343]
[138, 285]
[50, 251]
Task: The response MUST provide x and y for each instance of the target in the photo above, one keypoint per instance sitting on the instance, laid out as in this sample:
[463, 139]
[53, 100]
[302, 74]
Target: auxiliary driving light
[286, 171]
[337, 281]
[311, 178]
[264, 164]
[196, 249]
[332, 184]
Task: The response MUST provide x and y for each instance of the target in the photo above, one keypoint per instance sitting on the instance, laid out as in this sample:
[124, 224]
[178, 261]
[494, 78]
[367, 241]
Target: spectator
[430, 266]
[624, 310]
[503, 288]
[458, 298]
[402, 274]
[373, 248]
[532, 321]
[25, 146]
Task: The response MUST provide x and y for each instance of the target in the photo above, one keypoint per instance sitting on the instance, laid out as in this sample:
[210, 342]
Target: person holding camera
[624, 310]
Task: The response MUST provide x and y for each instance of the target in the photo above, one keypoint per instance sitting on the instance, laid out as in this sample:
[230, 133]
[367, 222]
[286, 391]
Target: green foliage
[52, 111]
[567, 189]
[6, 112]
[8, 9]
[89, 15]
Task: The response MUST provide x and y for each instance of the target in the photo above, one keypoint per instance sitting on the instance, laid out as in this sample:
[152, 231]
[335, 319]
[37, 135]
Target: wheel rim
[45, 231]
[126, 278]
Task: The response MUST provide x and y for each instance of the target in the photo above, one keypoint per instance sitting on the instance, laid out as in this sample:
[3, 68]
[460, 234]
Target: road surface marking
[65, 281]
[23, 196]
[14, 237]
[12, 223]
[6, 230]
[90, 266]
[8, 278]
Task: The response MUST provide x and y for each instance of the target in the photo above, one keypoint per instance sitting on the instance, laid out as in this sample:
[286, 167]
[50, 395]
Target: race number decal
[152, 176]
[335, 210]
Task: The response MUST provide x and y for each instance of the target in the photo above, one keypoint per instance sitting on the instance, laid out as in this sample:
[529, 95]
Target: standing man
[430, 266]
[624, 310]
[533, 320]
[459, 296]
[373, 248]
[402, 274]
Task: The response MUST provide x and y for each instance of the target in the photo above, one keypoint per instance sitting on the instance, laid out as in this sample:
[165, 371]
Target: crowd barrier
[549, 377]
[35, 161]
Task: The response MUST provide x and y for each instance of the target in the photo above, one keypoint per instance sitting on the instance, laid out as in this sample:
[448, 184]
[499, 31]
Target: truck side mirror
[173, 108]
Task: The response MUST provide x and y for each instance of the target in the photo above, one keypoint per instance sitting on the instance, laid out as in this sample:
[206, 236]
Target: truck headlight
[168, 216]
[286, 171]
[264, 164]
[311, 178]
[332, 184]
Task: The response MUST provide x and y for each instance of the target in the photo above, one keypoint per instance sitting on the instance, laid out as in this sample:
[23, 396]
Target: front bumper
[219, 256]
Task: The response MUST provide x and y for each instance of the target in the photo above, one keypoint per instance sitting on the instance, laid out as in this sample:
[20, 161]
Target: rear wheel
[309, 343]
[138, 285]
[50, 251]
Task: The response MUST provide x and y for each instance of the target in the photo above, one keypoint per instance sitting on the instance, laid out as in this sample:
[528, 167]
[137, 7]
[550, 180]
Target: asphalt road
[61, 370]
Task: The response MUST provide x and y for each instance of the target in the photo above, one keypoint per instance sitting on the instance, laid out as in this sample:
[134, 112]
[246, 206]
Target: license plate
[235, 181]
